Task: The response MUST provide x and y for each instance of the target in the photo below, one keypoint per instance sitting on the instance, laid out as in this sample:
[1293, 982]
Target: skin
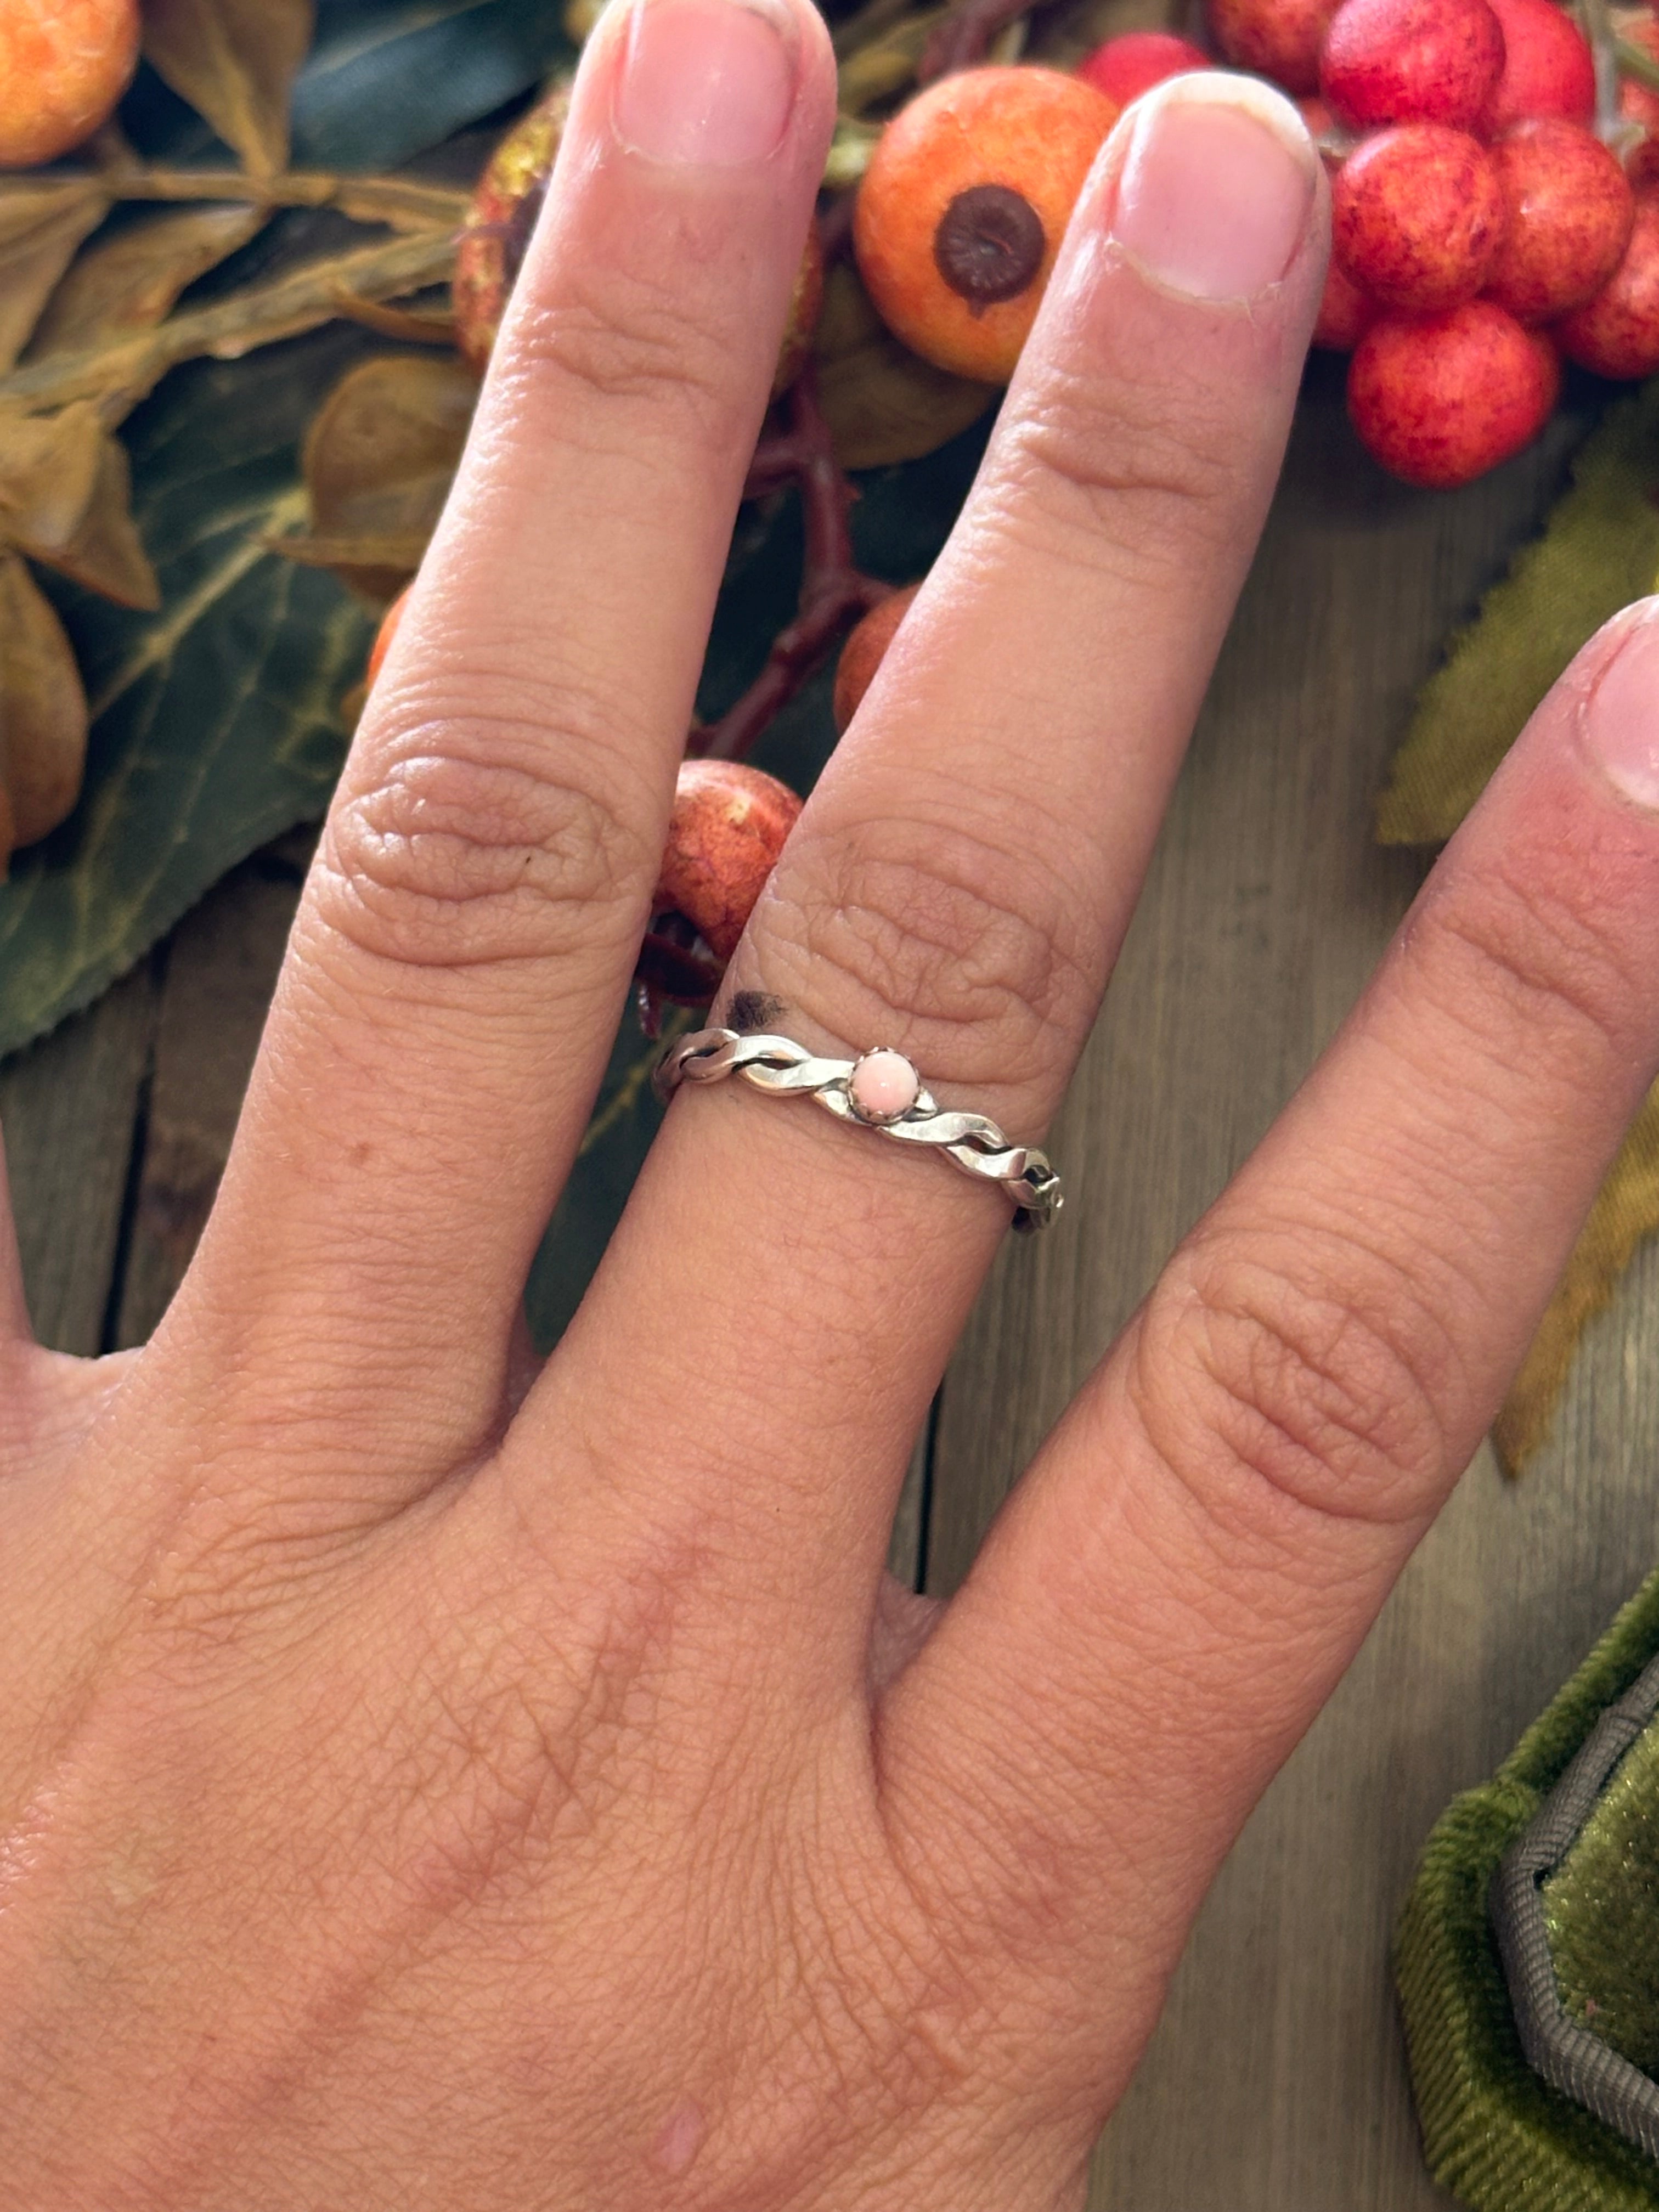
[432, 1786]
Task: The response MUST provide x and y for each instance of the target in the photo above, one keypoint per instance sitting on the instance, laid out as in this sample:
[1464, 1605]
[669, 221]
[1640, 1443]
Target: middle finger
[961, 879]
[465, 943]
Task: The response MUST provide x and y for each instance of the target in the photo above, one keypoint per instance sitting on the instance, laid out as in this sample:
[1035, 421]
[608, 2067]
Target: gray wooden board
[1275, 2083]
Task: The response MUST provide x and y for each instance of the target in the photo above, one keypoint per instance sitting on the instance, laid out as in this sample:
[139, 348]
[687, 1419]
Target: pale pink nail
[707, 82]
[1217, 186]
[1621, 722]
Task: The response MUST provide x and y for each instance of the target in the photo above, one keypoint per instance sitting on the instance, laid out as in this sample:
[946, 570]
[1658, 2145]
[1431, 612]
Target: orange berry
[64, 64]
[728, 825]
[391, 621]
[502, 220]
[963, 206]
[496, 233]
[865, 650]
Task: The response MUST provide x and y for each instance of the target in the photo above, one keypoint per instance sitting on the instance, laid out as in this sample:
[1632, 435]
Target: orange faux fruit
[64, 64]
[963, 206]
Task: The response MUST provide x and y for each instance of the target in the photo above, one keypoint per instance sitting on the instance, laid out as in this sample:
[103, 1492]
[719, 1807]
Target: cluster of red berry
[1482, 229]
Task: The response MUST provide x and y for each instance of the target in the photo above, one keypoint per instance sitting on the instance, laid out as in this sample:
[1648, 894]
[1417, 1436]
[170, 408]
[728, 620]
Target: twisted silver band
[779, 1065]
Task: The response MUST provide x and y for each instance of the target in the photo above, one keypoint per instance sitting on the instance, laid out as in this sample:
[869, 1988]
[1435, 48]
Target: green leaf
[1600, 551]
[389, 78]
[384, 81]
[215, 722]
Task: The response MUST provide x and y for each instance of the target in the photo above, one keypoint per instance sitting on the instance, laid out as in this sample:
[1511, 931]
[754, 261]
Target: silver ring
[879, 1091]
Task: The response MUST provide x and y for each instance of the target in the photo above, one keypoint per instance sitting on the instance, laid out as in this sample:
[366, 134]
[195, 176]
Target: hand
[416, 1800]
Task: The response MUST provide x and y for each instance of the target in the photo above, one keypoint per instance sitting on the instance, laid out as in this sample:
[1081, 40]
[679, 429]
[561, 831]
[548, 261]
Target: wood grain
[70, 1108]
[220, 969]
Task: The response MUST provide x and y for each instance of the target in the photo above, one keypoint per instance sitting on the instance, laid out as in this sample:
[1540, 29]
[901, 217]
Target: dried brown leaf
[411, 326]
[43, 709]
[66, 500]
[42, 221]
[130, 282]
[235, 62]
[118, 371]
[883, 403]
[48, 471]
[379, 462]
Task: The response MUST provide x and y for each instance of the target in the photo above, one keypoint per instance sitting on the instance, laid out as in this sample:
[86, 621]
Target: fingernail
[707, 81]
[1215, 187]
[1621, 715]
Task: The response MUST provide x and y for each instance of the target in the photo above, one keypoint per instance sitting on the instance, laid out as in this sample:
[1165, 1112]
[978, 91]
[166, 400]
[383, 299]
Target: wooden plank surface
[1276, 2083]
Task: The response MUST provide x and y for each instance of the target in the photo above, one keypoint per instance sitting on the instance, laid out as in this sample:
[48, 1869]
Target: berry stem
[1633, 62]
[1598, 30]
[834, 591]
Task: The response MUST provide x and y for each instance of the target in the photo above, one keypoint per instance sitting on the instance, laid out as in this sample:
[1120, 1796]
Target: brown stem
[399, 202]
[963, 39]
[834, 592]
[120, 371]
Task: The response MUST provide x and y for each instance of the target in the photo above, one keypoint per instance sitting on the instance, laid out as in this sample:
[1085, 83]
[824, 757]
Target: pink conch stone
[883, 1086]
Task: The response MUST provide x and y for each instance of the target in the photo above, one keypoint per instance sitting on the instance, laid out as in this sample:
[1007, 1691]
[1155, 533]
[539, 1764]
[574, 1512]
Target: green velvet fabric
[1495, 2134]
[1602, 1909]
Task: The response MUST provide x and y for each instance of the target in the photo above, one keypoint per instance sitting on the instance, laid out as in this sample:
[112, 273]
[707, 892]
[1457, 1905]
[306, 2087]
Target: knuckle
[623, 337]
[933, 939]
[1528, 946]
[1314, 1376]
[466, 847]
[1149, 472]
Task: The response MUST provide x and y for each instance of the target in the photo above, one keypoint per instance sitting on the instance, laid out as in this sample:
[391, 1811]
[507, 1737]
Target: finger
[965, 872]
[465, 942]
[1199, 1549]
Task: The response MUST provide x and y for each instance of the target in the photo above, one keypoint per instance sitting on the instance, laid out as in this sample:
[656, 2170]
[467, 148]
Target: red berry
[1417, 213]
[1547, 68]
[1617, 332]
[1412, 61]
[1346, 313]
[1126, 67]
[1442, 399]
[726, 832]
[1279, 37]
[1571, 209]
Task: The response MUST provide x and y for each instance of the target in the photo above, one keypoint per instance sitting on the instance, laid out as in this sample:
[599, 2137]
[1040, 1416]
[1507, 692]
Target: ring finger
[959, 883]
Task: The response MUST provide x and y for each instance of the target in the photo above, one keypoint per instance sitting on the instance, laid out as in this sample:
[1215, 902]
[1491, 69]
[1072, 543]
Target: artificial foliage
[1495, 2133]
